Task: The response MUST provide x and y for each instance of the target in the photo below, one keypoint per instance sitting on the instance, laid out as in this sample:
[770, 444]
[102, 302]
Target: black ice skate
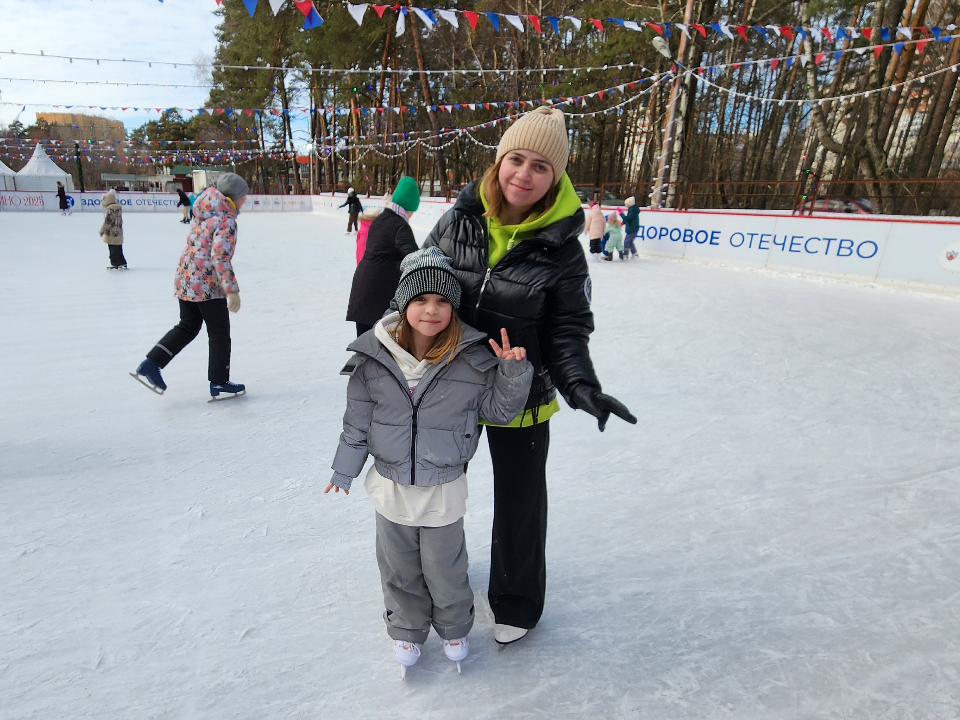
[226, 391]
[148, 374]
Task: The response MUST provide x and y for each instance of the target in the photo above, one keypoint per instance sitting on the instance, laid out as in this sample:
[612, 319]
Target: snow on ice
[778, 537]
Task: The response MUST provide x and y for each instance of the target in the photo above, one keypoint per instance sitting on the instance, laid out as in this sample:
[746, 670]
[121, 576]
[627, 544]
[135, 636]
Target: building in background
[77, 126]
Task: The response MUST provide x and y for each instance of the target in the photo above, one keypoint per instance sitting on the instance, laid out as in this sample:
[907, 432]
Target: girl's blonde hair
[444, 345]
[490, 186]
[615, 219]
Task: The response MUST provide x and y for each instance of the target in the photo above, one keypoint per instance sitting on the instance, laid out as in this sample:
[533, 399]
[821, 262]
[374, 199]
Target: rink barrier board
[903, 252]
[922, 253]
[46, 201]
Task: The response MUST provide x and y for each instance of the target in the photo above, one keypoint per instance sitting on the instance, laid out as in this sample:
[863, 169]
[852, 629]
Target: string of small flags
[366, 111]
[540, 23]
[24, 142]
[920, 79]
[322, 70]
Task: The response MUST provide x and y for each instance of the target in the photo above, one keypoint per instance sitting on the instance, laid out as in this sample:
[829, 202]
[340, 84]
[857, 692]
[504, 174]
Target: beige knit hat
[543, 131]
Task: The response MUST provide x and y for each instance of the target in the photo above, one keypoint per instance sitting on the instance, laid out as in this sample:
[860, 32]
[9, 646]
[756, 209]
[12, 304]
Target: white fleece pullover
[434, 506]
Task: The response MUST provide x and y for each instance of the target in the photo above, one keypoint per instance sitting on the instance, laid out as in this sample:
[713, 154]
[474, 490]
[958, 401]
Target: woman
[389, 240]
[111, 231]
[513, 242]
[184, 203]
[62, 198]
[206, 288]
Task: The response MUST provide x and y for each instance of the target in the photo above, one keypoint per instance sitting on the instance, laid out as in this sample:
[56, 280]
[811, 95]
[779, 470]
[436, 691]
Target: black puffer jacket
[539, 291]
[354, 204]
[375, 280]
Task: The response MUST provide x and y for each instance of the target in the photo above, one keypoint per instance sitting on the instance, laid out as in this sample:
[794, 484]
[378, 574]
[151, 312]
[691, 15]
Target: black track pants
[518, 564]
[192, 316]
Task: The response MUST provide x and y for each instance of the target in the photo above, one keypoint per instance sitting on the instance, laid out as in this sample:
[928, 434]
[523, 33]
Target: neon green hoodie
[503, 238]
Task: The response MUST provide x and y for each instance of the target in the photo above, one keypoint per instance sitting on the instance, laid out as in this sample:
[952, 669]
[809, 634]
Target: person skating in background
[111, 231]
[185, 202]
[366, 217]
[631, 226]
[614, 237]
[206, 289]
[419, 383]
[62, 198]
[514, 242]
[354, 207]
[596, 223]
[389, 240]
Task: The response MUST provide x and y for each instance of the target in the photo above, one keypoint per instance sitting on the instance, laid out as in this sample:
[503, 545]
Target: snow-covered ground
[778, 537]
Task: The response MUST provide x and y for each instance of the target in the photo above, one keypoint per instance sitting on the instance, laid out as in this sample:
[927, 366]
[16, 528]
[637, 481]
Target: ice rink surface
[778, 537]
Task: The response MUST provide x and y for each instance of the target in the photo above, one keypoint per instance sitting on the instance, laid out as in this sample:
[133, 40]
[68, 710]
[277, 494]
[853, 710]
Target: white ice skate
[456, 650]
[506, 634]
[407, 654]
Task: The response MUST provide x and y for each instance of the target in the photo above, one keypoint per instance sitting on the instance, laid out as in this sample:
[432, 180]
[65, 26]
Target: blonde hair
[615, 219]
[490, 187]
[444, 344]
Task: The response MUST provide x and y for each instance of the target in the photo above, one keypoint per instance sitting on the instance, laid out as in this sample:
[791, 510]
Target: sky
[174, 30]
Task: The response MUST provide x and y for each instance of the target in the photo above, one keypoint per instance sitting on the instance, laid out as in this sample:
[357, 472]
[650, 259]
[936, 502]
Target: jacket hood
[563, 221]
[212, 202]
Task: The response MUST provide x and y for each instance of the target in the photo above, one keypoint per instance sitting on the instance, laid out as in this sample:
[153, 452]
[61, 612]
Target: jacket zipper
[486, 277]
[480, 294]
[415, 408]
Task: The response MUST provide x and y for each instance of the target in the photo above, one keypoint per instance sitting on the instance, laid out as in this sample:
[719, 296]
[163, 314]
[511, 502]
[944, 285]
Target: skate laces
[407, 646]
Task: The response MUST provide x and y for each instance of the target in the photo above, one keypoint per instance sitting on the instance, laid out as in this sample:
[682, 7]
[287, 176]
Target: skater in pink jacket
[206, 289]
[595, 227]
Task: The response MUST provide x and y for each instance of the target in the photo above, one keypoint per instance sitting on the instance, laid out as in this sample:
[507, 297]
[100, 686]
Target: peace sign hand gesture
[506, 352]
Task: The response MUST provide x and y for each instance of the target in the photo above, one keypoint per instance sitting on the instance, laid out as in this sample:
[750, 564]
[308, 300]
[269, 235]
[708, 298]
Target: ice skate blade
[143, 381]
[403, 672]
[226, 396]
[459, 671]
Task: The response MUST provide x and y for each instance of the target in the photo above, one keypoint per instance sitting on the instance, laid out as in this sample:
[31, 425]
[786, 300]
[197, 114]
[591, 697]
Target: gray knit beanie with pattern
[427, 271]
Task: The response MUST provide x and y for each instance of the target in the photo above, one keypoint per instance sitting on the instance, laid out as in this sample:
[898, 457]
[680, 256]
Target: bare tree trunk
[425, 86]
[935, 128]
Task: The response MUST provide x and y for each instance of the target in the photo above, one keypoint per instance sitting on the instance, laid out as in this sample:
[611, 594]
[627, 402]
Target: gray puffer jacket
[424, 439]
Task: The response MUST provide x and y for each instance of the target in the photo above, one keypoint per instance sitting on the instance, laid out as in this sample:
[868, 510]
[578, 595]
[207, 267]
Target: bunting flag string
[722, 30]
[920, 79]
[54, 143]
[364, 111]
[773, 63]
[482, 73]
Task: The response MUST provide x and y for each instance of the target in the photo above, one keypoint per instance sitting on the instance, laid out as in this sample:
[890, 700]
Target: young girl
[111, 231]
[615, 237]
[206, 289]
[420, 381]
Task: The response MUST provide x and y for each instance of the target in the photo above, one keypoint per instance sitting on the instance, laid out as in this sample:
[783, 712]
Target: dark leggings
[192, 316]
[353, 222]
[116, 256]
[518, 563]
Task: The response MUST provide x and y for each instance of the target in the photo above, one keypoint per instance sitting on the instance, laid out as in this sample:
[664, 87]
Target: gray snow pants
[423, 571]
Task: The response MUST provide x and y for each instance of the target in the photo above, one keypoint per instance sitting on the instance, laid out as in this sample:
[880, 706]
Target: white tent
[7, 178]
[42, 173]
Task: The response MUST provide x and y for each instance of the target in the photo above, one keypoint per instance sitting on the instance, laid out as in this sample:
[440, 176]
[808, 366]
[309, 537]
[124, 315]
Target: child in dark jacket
[354, 208]
[420, 382]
